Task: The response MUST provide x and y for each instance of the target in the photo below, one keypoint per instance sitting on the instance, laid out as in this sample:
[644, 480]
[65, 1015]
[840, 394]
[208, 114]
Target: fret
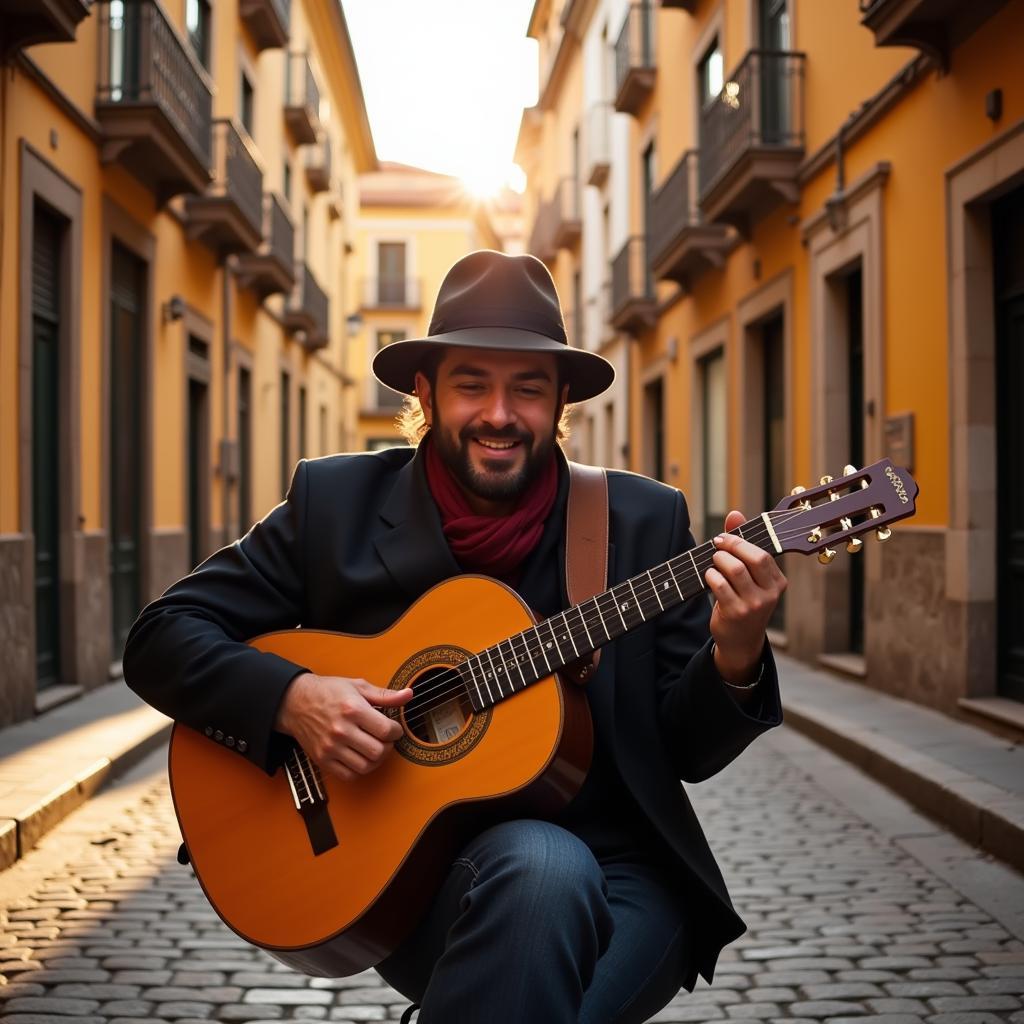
[583, 619]
[563, 660]
[544, 653]
[483, 675]
[493, 673]
[696, 573]
[604, 625]
[639, 607]
[516, 659]
[468, 664]
[654, 587]
[618, 608]
[568, 630]
[675, 581]
[526, 647]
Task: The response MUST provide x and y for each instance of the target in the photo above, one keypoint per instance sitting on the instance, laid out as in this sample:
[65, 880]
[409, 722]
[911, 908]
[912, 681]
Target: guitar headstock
[842, 509]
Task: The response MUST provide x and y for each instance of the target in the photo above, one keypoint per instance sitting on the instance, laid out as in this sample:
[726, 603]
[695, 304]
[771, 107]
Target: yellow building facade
[413, 225]
[179, 183]
[807, 221]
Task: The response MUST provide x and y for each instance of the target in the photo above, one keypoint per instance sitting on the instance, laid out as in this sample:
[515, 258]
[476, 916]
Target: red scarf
[492, 545]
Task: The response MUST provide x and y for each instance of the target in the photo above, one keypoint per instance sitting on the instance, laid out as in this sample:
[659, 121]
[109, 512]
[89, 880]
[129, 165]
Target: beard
[500, 481]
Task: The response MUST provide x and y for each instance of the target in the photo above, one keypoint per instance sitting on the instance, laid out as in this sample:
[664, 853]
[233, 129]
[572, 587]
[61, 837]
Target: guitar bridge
[310, 797]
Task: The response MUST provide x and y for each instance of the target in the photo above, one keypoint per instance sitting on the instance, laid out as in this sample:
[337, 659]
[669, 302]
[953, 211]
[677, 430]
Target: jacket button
[230, 741]
[209, 730]
[218, 735]
[242, 745]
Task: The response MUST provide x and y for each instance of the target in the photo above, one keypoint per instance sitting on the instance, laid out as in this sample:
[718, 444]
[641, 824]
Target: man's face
[493, 417]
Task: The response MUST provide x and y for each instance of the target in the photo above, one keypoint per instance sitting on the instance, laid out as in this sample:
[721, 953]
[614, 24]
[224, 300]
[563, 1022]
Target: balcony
[228, 215]
[268, 21]
[302, 100]
[935, 27]
[270, 270]
[542, 239]
[306, 311]
[752, 140]
[154, 102]
[681, 244]
[598, 143]
[633, 305]
[318, 165]
[634, 59]
[398, 292]
[566, 226]
[28, 22]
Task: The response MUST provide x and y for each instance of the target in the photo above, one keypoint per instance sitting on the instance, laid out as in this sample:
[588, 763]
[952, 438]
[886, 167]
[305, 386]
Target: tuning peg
[814, 536]
[849, 470]
[825, 480]
[883, 533]
[798, 489]
[854, 544]
[875, 513]
[826, 555]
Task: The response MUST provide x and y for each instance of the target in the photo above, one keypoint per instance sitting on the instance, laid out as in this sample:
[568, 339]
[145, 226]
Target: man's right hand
[336, 722]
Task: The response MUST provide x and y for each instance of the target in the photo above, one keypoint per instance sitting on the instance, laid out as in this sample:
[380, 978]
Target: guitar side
[397, 829]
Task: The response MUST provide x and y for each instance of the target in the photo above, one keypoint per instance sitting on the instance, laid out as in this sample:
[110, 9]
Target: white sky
[446, 81]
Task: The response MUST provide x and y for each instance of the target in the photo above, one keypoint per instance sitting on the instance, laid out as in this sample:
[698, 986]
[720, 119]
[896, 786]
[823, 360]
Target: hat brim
[587, 373]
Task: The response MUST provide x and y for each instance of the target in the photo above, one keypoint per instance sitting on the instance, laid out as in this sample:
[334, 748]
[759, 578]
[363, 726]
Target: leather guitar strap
[586, 547]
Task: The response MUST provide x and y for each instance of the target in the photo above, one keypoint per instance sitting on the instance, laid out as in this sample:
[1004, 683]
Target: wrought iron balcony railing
[228, 215]
[153, 101]
[633, 301]
[271, 269]
[302, 100]
[752, 137]
[308, 309]
[680, 243]
[269, 21]
[634, 58]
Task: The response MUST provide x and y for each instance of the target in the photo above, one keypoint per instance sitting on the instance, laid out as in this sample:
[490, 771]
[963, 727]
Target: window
[244, 448]
[246, 104]
[302, 421]
[710, 73]
[286, 431]
[287, 179]
[714, 424]
[197, 24]
[391, 273]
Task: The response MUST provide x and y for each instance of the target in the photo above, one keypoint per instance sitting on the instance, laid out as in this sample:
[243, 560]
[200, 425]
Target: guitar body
[340, 910]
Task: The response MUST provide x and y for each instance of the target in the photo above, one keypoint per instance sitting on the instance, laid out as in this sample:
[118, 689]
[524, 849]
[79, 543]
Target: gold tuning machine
[849, 470]
[798, 489]
[814, 536]
[854, 544]
[826, 555]
[883, 533]
[825, 480]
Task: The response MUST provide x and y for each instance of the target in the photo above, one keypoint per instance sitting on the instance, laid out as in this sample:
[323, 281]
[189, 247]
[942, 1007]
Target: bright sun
[487, 180]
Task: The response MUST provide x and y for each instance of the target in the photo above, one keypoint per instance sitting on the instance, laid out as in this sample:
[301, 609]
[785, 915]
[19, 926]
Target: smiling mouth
[497, 446]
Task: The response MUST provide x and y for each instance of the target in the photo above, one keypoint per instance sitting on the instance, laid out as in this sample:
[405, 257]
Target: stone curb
[22, 829]
[984, 815]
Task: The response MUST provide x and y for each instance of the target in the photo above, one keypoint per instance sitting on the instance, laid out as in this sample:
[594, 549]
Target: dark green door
[126, 309]
[774, 401]
[1008, 232]
[198, 470]
[47, 234]
[244, 449]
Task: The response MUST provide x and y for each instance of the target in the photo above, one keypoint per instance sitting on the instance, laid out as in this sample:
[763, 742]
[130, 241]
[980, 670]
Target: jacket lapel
[414, 549]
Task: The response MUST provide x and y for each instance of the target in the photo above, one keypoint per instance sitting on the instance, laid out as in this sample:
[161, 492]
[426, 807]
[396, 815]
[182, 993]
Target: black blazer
[355, 542]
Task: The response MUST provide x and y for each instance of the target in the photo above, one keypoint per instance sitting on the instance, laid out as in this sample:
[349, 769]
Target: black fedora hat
[495, 301]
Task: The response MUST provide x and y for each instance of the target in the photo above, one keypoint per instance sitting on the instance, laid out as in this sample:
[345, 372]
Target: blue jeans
[529, 928]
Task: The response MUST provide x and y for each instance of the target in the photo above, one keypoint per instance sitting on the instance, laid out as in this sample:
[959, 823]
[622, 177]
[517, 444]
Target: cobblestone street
[857, 907]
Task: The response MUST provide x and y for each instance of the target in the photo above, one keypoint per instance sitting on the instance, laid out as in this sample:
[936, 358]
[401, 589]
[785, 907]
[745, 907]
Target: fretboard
[508, 667]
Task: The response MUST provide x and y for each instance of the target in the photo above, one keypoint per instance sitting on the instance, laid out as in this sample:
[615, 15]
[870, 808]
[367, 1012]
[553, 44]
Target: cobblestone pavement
[858, 909]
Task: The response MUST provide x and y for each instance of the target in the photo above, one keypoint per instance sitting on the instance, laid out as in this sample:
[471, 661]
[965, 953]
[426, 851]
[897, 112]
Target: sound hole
[439, 710]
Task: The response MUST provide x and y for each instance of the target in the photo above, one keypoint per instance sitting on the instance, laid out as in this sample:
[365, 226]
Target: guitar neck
[506, 668]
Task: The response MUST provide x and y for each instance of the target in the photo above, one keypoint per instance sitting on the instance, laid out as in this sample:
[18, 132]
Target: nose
[498, 411]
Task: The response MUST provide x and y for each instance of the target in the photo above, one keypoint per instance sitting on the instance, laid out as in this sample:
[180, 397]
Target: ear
[562, 401]
[423, 393]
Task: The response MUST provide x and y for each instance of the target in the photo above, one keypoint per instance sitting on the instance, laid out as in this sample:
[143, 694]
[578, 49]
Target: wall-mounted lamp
[353, 323]
[835, 211]
[173, 309]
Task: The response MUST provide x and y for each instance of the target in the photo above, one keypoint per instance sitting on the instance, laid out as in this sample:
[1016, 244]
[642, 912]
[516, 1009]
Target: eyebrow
[468, 370]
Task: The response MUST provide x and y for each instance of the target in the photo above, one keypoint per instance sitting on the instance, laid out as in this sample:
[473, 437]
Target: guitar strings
[453, 684]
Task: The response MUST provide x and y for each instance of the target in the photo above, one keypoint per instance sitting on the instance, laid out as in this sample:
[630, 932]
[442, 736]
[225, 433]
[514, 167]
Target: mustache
[507, 434]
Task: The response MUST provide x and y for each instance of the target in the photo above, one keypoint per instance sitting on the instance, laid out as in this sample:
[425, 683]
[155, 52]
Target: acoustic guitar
[330, 876]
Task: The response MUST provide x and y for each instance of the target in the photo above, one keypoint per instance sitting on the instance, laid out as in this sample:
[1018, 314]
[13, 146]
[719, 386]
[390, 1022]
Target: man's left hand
[747, 584]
